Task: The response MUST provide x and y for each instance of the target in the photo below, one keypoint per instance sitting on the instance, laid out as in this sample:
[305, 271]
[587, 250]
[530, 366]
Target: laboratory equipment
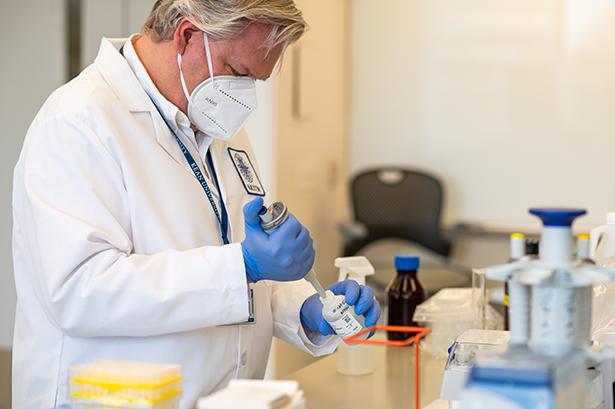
[125, 385]
[404, 294]
[546, 365]
[255, 394]
[448, 313]
[271, 218]
[602, 252]
[418, 334]
[583, 248]
[602, 241]
[486, 315]
[480, 297]
[607, 371]
[461, 357]
[355, 359]
[532, 248]
[340, 316]
[517, 250]
[517, 246]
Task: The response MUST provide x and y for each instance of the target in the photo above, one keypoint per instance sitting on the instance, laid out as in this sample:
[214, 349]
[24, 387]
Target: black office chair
[396, 203]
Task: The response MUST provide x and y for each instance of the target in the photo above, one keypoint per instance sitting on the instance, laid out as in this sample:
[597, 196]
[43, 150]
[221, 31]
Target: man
[136, 212]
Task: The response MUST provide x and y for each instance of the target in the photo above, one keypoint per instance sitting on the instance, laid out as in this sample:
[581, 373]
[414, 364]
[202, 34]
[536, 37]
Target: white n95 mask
[219, 106]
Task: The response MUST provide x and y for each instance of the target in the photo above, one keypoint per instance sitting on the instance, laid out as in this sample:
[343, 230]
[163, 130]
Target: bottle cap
[407, 263]
[557, 217]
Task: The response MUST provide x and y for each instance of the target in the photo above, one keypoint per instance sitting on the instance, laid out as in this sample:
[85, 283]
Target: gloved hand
[362, 297]
[287, 254]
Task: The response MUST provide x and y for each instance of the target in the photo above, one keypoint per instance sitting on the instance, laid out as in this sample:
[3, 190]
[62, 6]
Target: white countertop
[390, 386]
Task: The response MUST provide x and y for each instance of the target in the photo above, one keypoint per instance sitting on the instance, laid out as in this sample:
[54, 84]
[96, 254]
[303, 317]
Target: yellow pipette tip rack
[120, 384]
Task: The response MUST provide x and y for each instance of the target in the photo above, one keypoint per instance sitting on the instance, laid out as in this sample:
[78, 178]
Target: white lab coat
[118, 254]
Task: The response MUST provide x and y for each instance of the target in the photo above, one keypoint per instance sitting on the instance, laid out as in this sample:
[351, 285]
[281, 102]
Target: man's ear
[183, 34]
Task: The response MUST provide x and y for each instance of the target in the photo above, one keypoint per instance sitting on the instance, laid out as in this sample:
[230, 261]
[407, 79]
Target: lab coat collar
[124, 83]
[116, 71]
[172, 114]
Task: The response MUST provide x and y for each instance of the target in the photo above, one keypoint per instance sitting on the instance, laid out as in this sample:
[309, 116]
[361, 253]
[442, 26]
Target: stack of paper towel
[253, 394]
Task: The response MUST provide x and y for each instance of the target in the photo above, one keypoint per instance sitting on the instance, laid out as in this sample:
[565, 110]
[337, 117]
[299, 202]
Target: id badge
[252, 317]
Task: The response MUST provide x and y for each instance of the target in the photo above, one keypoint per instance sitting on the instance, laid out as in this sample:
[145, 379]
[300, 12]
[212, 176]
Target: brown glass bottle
[405, 292]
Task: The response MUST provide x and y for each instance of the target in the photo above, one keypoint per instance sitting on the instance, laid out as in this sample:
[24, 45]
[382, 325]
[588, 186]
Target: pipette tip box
[120, 384]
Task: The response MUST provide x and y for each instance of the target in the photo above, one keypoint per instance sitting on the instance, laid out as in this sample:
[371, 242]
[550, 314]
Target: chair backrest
[400, 203]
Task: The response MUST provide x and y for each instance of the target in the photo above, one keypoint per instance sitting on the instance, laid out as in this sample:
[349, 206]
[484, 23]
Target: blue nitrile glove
[362, 297]
[287, 254]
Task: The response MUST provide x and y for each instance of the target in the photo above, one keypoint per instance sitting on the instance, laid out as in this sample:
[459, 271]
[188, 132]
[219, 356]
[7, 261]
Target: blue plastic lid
[554, 217]
[407, 263]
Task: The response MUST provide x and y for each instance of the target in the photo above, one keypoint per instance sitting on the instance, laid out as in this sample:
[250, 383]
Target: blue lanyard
[222, 220]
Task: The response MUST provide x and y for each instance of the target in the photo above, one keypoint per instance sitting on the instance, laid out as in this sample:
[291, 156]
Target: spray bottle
[355, 359]
[342, 317]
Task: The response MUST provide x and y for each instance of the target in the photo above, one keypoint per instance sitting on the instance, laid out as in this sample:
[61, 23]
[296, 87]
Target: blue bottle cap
[407, 263]
[554, 217]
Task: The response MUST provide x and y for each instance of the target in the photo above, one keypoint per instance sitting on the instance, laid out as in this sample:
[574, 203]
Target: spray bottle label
[346, 325]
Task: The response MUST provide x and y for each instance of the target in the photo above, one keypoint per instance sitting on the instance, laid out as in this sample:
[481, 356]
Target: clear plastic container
[120, 384]
[461, 358]
[602, 241]
[448, 313]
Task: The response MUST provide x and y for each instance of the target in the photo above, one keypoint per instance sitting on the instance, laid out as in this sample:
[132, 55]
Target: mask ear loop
[181, 77]
[210, 65]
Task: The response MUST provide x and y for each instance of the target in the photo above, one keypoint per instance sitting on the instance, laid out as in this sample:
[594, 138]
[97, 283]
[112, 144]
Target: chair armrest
[352, 231]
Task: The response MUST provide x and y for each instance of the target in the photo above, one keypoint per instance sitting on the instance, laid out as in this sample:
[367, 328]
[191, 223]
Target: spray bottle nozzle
[354, 268]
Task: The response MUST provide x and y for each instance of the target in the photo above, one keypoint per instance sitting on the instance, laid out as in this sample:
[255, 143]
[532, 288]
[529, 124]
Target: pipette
[342, 317]
[271, 219]
[311, 278]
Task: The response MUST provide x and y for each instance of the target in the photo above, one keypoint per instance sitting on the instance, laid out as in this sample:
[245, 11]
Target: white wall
[112, 19]
[262, 130]
[510, 102]
[32, 65]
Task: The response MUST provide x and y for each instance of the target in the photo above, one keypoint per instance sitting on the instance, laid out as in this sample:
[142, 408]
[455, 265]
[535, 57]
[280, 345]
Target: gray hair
[227, 19]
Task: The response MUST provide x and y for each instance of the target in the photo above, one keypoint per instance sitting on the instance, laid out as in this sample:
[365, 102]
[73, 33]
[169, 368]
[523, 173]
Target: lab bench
[390, 386]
